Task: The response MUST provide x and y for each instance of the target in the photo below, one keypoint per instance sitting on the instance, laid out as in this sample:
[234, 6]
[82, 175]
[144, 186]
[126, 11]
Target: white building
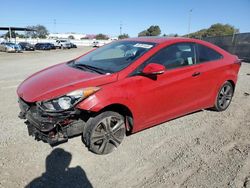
[75, 36]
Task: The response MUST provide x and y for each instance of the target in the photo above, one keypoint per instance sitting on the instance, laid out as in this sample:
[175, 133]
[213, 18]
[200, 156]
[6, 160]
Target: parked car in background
[62, 43]
[96, 44]
[125, 87]
[52, 46]
[10, 47]
[72, 45]
[44, 46]
[26, 46]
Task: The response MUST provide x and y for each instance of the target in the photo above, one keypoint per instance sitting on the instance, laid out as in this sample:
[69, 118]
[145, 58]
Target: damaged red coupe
[125, 87]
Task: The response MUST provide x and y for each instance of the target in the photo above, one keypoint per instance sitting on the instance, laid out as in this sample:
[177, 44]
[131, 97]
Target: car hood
[59, 80]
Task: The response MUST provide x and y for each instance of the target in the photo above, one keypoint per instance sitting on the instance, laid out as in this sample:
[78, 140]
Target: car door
[211, 73]
[171, 94]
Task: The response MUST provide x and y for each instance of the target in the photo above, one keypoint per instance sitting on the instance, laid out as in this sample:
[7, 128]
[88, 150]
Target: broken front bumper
[53, 128]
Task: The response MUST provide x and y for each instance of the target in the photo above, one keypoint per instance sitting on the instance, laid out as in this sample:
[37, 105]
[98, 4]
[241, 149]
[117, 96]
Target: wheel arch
[232, 82]
[124, 111]
[216, 106]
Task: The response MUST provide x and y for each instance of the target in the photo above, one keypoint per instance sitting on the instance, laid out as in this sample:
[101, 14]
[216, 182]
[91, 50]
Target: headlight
[69, 100]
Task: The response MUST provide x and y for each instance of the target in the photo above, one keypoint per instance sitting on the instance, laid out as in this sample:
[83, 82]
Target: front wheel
[224, 97]
[105, 132]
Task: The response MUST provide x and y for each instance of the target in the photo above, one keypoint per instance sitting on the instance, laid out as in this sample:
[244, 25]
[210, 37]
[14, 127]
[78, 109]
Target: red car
[125, 87]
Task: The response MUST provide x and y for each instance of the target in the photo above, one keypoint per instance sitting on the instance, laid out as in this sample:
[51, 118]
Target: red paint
[151, 101]
[59, 80]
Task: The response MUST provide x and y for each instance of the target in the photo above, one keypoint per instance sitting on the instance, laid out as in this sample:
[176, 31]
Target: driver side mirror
[153, 69]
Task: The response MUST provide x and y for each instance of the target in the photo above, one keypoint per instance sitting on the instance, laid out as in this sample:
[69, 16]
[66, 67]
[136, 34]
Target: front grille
[40, 119]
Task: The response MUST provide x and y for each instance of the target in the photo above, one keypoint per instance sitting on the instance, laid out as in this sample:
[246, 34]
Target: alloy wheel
[108, 134]
[225, 96]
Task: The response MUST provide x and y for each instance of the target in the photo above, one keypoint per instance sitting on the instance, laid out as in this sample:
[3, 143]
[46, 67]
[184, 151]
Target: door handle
[196, 74]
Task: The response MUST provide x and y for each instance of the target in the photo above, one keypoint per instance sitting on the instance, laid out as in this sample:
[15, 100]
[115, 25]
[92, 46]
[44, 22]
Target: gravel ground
[204, 149]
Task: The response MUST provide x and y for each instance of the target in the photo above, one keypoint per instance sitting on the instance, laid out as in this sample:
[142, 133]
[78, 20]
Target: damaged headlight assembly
[67, 101]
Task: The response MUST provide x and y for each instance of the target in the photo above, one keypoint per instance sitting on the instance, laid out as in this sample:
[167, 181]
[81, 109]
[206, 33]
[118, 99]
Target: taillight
[237, 60]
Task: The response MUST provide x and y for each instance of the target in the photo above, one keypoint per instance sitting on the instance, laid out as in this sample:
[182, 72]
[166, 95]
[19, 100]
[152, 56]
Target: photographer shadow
[59, 174]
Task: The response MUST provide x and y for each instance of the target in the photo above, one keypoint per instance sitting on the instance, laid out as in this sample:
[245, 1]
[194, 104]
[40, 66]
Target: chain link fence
[238, 44]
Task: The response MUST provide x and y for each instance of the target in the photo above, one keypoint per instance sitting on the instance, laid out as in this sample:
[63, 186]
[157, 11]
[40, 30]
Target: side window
[207, 54]
[174, 56]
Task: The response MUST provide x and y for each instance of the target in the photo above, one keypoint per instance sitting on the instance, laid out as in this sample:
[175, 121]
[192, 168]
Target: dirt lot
[204, 149]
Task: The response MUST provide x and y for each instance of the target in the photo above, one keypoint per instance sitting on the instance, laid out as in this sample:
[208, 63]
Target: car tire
[104, 132]
[224, 97]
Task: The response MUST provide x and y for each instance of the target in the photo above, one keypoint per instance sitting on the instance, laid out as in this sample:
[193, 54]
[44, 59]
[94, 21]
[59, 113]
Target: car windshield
[114, 56]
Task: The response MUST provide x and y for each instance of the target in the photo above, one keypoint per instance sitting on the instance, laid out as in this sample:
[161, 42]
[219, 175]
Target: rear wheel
[105, 132]
[224, 97]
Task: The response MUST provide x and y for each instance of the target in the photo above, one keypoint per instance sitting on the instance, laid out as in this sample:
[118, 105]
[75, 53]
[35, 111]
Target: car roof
[170, 40]
[160, 40]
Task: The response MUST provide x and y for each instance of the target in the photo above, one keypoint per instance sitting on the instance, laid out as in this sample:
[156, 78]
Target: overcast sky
[92, 17]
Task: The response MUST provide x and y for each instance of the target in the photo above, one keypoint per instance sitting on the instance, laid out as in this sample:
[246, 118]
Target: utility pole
[54, 21]
[10, 34]
[121, 28]
[233, 41]
[189, 21]
[233, 35]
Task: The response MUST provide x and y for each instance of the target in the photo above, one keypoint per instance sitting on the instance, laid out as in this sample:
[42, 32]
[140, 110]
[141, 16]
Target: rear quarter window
[206, 54]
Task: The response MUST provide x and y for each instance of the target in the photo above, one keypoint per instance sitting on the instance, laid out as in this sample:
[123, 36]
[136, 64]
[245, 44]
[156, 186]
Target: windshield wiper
[91, 68]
